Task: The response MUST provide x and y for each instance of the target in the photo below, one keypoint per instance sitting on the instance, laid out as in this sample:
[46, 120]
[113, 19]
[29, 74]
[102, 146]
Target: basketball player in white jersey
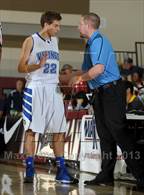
[43, 106]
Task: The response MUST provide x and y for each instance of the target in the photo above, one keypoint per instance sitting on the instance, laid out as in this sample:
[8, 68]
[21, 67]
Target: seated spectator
[2, 110]
[80, 101]
[2, 117]
[127, 69]
[65, 76]
[137, 80]
[133, 102]
[141, 94]
[66, 69]
[15, 99]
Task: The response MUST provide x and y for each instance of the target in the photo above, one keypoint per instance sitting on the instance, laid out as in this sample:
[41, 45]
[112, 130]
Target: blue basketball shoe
[29, 170]
[64, 177]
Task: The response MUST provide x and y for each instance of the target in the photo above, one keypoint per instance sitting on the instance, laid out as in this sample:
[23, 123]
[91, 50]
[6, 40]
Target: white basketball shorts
[43, 108]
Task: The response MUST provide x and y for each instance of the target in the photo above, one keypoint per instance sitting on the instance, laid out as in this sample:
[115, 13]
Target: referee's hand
[75, 80]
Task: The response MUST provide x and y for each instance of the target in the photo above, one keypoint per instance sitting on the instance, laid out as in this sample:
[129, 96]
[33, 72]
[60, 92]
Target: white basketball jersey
[49, 71]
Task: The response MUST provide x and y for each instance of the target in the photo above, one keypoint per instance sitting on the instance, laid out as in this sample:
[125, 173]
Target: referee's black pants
[110, 114]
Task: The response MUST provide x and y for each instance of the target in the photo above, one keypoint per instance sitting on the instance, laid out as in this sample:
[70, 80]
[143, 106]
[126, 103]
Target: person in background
[66, 71]
[128, 68]
[2, 118]
[137, 80]
[15, 99]
[2, 109]
[134, 103]
[80, 101]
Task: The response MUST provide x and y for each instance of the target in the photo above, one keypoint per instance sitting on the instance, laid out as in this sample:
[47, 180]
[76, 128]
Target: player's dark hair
[49, 17]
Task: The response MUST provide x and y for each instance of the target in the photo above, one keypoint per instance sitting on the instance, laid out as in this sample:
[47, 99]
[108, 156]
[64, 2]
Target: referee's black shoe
[140, 185]
[100, 181]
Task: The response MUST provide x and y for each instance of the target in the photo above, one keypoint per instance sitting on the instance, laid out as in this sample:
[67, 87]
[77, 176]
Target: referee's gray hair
[93, 18]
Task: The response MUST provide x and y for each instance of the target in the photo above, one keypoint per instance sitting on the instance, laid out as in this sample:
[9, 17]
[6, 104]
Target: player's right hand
[43, 60]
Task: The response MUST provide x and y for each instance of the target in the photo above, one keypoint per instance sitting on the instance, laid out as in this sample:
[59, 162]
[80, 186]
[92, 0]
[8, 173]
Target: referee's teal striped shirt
[99, 51]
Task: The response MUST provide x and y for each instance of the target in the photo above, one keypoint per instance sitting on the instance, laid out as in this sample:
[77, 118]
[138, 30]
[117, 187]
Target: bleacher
[137, 55]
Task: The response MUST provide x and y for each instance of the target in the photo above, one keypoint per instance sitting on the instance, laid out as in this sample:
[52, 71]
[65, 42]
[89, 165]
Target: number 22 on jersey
[50, 68]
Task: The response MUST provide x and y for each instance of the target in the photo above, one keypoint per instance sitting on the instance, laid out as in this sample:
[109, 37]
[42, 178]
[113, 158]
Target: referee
[101, 72]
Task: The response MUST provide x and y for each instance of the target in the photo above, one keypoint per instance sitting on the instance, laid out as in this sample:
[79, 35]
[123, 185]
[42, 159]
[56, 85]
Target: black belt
[107, 85]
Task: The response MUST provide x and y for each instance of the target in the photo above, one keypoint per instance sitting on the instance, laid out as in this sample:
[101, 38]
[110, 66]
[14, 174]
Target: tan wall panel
[124, 21]
[71, 44]
[64, 43]
[13, 41]
[63, 6]
[10, 58]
